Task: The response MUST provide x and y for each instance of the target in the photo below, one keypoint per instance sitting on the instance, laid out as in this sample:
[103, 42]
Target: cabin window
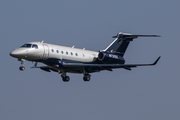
[76, 54]
[62, 52]
[52, 50]
[67, 53]
[27, 45]
[57, 51]
[34, 46]
[71, 53]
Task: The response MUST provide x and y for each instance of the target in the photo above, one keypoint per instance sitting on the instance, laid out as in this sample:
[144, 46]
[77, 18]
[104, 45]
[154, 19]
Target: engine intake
[110, 58]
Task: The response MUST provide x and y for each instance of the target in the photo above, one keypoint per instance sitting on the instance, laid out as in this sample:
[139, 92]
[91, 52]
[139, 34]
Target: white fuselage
[73, 54]
[48, 51]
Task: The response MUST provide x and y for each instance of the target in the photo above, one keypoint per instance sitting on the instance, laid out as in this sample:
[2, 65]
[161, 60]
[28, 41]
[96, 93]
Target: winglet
[156, 60]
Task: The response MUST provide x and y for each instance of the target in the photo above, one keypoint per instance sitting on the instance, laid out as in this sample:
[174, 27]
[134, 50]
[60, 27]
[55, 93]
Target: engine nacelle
[111, 58]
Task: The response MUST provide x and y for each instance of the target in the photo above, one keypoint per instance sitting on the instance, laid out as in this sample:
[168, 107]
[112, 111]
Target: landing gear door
[46, 52]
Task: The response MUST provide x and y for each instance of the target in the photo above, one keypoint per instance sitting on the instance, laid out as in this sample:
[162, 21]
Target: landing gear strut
[22, 68]
[65, 78]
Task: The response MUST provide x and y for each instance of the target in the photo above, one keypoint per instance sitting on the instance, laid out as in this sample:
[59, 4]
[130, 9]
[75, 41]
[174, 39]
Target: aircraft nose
[14, 53]
[17, 53]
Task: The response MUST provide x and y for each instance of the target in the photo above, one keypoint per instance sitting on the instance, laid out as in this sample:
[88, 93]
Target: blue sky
[145, 93]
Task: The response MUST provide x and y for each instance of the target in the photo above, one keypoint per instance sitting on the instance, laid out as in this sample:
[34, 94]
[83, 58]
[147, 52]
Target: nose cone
[18, 53]
[13, 53]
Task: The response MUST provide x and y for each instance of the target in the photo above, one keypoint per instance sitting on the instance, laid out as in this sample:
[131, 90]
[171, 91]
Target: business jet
[65, 60]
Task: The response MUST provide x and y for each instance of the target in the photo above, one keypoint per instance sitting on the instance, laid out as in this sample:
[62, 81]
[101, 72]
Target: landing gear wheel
[22, 68]
[66, 79]
[87, 78]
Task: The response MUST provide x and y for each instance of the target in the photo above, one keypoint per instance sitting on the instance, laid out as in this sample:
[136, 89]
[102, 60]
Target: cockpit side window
[35, 46]
[27, 45]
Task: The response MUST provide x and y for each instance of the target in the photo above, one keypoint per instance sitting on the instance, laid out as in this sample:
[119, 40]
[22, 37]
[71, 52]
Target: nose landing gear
[22, 68]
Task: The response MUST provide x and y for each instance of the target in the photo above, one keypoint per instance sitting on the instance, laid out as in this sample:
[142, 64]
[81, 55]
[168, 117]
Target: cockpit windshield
[35, 46]
[27, 45]
[30, 46]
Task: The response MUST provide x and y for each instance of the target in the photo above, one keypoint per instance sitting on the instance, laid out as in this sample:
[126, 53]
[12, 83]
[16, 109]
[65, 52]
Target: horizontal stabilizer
[126, 35]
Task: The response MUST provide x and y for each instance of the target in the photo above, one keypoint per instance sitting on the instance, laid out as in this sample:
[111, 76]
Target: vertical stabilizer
[120, 44]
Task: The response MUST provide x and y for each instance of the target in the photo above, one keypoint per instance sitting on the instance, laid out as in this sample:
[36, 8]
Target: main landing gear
[65, 78]
[22, 68]
[87, 77]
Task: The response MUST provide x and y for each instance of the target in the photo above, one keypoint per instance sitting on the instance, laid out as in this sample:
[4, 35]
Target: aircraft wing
[68, 66]
[126, 66]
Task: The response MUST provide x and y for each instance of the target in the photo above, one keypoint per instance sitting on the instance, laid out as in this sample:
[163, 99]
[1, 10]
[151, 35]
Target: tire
[22, 68]
[66, 79]
[86, 78]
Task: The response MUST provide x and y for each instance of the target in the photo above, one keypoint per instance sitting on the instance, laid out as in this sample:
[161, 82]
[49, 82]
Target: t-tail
[120, 44]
